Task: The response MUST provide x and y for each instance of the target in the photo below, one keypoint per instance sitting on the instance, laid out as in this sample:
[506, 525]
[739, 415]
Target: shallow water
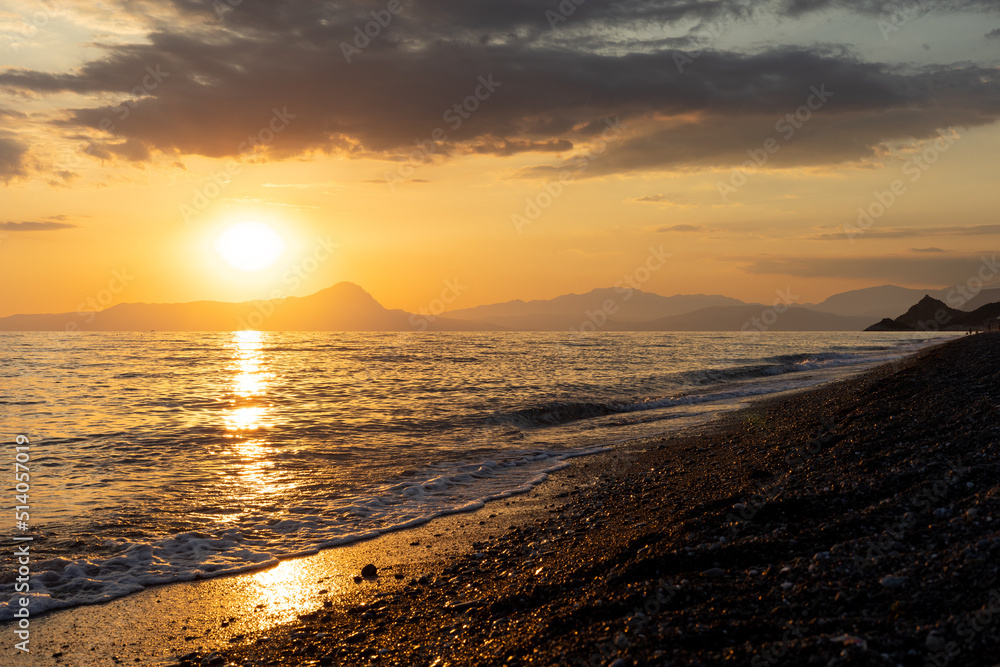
[166, 457]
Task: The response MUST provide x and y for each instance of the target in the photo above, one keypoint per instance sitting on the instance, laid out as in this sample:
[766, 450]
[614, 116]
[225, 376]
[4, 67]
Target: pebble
[856, 566]
[369, 571]
[935, 642]
[892, 581]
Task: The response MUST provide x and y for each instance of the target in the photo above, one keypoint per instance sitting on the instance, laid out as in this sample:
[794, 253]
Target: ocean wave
[260, 540]
[729, 383]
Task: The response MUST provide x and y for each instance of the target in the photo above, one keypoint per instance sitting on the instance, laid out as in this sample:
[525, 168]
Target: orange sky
[129, 210]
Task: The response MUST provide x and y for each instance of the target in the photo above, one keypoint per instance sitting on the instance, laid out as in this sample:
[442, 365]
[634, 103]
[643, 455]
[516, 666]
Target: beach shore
[853, 524]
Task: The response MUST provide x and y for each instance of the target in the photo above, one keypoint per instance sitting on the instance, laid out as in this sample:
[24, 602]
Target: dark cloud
[45, 225]
[882, 8]
[132, 150]
[513, 146]
[654, 199]
[993, 34]
[926, 250]
[12, 154]
[214, 87]
[683, 228]
[910, 232]
[923, 270]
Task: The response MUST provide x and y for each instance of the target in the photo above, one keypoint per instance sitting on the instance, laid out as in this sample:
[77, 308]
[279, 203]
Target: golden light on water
[250, 384]
[280, 593]
[244, 419]
[246, 340]
[250, 381]
[255, 478]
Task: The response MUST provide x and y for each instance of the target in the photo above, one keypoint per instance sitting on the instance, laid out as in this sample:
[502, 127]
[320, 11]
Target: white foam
[60, 583]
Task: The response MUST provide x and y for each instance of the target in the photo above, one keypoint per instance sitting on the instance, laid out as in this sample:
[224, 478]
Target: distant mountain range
[570, 311]
[930, 314]
[347, 307]
[343, 307]
[891, 301]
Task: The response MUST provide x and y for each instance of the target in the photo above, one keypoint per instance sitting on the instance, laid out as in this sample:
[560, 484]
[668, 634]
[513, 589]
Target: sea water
[159, 457]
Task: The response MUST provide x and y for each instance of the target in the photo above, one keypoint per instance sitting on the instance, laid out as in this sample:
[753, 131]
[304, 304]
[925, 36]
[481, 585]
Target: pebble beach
[853, 524]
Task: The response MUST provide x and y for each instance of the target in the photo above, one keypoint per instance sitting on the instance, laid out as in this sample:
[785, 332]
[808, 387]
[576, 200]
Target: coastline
[651, 553]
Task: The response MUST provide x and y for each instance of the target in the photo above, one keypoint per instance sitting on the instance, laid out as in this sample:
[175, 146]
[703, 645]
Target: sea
[163, 457]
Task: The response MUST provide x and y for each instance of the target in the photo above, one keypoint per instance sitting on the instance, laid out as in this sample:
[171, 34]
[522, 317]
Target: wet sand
[155, 626]
[853, 524]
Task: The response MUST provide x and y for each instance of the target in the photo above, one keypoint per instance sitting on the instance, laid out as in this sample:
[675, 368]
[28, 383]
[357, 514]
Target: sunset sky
[524, 149]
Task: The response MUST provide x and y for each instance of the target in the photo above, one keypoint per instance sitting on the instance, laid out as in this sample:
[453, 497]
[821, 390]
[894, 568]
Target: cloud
[225, 76]
[679, 200]
[905, 269]
[34, 226]
[926, 250]
[882, 8]
[911, 232]
[130, 149]
[655, 199]
[12, 154]
[682, 228]
[993, 34]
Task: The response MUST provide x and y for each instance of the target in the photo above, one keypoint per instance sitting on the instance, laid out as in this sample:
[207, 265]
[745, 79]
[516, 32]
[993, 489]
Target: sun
[249, 246]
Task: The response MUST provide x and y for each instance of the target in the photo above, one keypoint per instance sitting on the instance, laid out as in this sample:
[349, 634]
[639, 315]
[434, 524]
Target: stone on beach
[839, 557]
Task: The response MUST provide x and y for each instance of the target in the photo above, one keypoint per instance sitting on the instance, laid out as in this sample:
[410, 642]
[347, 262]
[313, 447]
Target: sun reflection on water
[244, 419]
[253, 465]
[250, 382]
[290, 588]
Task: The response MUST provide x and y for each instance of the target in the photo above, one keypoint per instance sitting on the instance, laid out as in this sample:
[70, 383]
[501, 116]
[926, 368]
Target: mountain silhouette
[342, 307]
[930, 314]
[568, 311]
[347, 307]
